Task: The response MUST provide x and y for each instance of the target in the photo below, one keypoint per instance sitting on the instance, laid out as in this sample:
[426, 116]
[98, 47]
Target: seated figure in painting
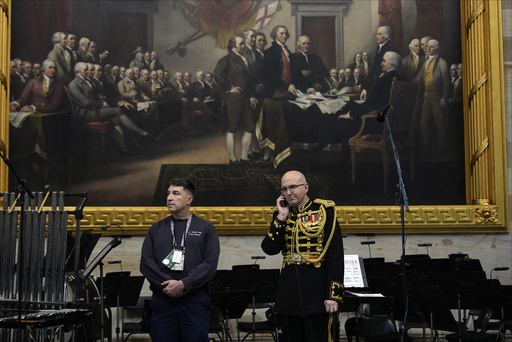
[143, 79]
[42, 94]
[197, 94]
[90, 107]
[130, 90]
[347, 121]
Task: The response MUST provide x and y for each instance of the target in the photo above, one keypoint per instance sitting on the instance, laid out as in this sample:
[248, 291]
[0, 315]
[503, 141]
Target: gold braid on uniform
[298, 225]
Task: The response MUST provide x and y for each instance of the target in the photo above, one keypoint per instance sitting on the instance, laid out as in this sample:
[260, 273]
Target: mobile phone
[283, 203]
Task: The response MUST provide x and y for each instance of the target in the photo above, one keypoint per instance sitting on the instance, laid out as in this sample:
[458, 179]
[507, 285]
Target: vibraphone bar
[33, 266]
[44, 250]
[42, 325]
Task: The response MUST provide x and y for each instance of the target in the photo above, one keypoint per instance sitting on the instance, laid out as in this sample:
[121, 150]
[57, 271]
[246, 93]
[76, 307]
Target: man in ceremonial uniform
[310, 286]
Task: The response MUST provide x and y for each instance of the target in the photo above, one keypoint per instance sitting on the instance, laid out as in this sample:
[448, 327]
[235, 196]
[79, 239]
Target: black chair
[217, 324]
[479, 333]
[371, 329]
[141, 327]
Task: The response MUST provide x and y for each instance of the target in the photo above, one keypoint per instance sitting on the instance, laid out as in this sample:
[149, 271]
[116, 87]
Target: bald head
[294, 188]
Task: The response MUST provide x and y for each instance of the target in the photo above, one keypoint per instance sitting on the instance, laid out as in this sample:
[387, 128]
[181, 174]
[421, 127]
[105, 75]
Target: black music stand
[435, 310]
[232, 304]
[262, 283]
[251, 277]
[455, 277]
[121, 290]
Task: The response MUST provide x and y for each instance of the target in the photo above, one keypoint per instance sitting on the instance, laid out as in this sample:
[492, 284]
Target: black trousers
[314, 328]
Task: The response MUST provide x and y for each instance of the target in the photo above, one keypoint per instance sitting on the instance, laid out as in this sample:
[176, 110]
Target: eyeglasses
[292, 187]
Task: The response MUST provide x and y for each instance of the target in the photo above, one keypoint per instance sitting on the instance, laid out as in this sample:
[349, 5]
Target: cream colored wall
[363, 14]
[491, 249]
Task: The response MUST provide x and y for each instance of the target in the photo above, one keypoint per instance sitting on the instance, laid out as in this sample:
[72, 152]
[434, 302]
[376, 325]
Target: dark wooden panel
[322, 31]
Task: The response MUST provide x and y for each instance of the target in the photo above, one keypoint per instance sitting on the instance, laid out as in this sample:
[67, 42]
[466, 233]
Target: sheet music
[353, 273]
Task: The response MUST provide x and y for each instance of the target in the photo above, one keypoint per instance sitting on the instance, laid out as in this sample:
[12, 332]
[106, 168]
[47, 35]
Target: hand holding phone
[282, 207]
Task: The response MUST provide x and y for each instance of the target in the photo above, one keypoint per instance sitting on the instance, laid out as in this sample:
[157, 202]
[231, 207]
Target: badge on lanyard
[176, 259]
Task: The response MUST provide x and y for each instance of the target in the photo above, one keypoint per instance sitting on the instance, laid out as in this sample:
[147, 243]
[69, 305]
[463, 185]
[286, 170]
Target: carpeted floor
[222, 184]
[258, 185]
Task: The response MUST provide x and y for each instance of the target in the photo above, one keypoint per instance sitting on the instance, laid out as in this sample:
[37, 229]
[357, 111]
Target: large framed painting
[452, 167]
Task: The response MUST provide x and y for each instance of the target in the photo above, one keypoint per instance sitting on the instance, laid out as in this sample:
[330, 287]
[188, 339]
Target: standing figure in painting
[138, 61]
[83, 47]
[358, 61]
[309, 74]
[233, 75]
[423, 49]
[276, 66]
[383, 40]
[435, 78]
[412, 63]
[71, 49]
[249, 36]
[261, 42]
[62, 58]
[255, 62]
[155, 64]
[366, 65]
[309, 237]
[93, 53]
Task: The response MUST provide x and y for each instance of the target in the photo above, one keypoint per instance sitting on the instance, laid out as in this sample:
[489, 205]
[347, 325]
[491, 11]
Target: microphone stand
[403, 202]
[21, 190]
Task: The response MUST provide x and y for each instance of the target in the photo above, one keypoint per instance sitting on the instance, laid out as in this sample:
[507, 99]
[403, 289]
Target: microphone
[115, 225]
[500, 269]
[381, 115]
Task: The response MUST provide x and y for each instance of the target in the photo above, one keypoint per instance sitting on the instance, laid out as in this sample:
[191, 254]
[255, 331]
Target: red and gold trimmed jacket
[313, 263]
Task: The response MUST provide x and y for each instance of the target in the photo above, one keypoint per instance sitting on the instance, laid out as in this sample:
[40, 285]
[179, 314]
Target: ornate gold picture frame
[486, 208]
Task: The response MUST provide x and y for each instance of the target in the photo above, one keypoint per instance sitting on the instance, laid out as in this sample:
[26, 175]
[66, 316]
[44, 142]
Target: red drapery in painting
[33, 24]
[430, 20]
[390, 12]
[226, 18]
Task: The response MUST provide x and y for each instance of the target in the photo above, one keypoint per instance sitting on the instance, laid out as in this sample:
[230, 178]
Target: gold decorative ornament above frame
[486, 208]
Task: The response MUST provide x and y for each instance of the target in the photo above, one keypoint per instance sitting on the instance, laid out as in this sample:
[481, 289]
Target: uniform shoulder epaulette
[325, 203]
[273, 210]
